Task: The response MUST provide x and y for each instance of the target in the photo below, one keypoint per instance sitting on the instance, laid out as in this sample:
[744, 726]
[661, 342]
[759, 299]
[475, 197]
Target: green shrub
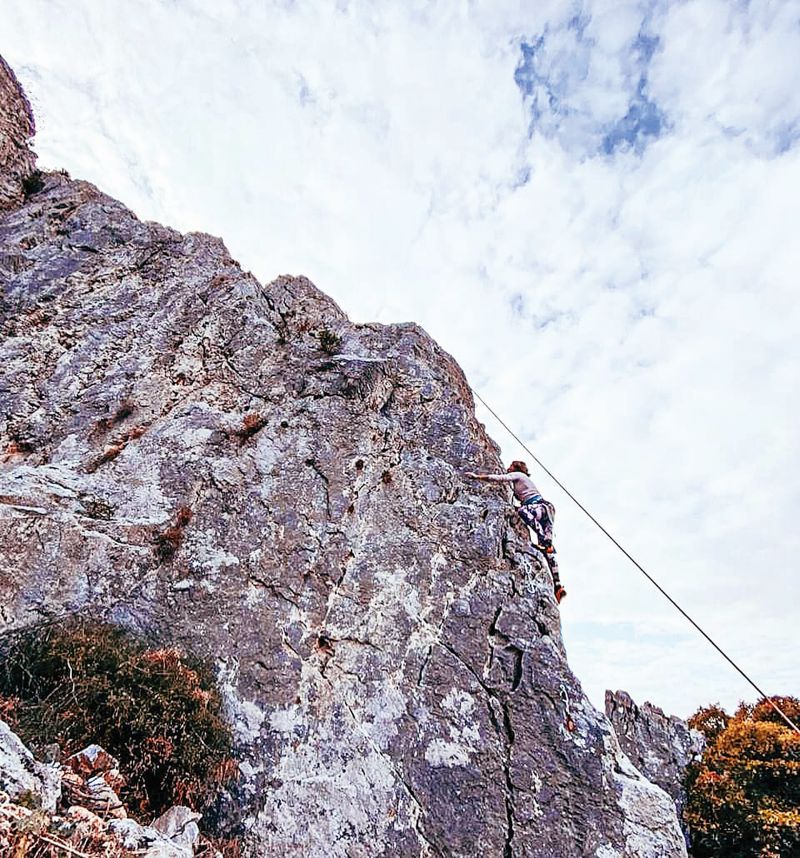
[744, 794]
[82, 681]
[33, 183]
[330, 342]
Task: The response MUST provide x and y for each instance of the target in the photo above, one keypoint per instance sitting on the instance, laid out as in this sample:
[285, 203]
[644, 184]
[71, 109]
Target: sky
[593, 206]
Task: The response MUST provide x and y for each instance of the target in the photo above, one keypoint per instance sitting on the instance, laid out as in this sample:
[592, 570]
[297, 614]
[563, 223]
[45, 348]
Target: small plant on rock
[169, 541]
[33, 183]
[329, 341]
[112, 450]
[251, 424]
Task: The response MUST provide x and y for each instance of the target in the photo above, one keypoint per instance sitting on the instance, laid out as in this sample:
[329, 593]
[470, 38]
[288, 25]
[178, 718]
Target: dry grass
[169, 541]
[84, 682]
[251, 424]
[112, 450]
[26, 833]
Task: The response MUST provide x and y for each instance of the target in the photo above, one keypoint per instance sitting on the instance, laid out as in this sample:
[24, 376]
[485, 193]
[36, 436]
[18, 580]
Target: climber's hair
[516, 465]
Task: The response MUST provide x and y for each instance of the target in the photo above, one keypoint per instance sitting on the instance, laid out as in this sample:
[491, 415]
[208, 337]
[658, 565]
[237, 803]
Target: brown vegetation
[81, 682]
[252, 423]
[15, 449]
[169, 541]
[112, 450]
[31, 833]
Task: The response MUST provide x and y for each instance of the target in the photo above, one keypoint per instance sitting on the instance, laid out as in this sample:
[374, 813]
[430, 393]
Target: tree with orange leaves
[744, 795]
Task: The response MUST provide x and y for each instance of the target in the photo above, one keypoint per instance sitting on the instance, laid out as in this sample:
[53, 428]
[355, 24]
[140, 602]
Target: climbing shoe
[560, 592]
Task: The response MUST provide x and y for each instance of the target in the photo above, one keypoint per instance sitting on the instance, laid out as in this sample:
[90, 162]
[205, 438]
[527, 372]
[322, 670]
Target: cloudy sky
[592, 205]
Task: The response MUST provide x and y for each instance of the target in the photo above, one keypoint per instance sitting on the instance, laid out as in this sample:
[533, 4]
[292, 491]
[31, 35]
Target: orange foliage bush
[744, 795]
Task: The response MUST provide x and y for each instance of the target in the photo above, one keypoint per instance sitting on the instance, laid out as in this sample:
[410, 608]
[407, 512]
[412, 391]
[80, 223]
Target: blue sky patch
[785, 136]
[554, 68]
[643, 121]
[525, 75]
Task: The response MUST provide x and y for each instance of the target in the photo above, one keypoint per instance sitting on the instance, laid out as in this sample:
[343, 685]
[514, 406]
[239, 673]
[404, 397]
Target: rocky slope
[661, 746]
[73, 809]
[238, 469]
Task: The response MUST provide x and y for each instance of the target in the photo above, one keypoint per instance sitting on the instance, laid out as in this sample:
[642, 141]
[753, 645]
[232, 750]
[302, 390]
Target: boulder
[22, 777]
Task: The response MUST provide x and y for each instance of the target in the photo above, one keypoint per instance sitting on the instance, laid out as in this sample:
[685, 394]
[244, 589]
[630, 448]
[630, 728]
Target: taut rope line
[633, 560]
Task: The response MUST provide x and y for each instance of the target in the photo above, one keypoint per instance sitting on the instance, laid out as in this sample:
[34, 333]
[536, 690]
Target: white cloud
[728, 67]
[633, 315]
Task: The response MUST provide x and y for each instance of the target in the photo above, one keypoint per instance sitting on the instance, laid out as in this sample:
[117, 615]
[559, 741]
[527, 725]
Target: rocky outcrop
[239, 470]
[21, 776]
[74, 809]
[91, 778]
[17, 161]
[660, 746]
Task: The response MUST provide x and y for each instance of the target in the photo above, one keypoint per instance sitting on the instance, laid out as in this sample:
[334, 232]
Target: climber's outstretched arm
[492, 478]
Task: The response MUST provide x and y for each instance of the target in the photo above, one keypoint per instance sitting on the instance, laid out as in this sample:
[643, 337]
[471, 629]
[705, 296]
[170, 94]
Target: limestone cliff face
[661, 746]
[182, 456]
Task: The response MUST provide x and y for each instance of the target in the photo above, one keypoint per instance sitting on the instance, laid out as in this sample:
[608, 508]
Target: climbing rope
[635, 562]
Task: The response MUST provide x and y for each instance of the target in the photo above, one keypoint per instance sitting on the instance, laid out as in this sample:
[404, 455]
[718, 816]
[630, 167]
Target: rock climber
[535, 512]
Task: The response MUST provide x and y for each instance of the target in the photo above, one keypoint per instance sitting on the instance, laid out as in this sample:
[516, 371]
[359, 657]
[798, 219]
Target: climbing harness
[635, 562]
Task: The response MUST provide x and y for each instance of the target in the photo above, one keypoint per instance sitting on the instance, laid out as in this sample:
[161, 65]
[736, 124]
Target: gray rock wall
[17, 161]
[180, 455]
[660, 746]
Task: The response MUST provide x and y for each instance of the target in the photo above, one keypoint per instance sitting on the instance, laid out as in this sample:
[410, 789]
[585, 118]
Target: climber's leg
[539, 517]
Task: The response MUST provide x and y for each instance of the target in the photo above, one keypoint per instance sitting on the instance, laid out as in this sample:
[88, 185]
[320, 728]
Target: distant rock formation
[239, 470]
[660, 746]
